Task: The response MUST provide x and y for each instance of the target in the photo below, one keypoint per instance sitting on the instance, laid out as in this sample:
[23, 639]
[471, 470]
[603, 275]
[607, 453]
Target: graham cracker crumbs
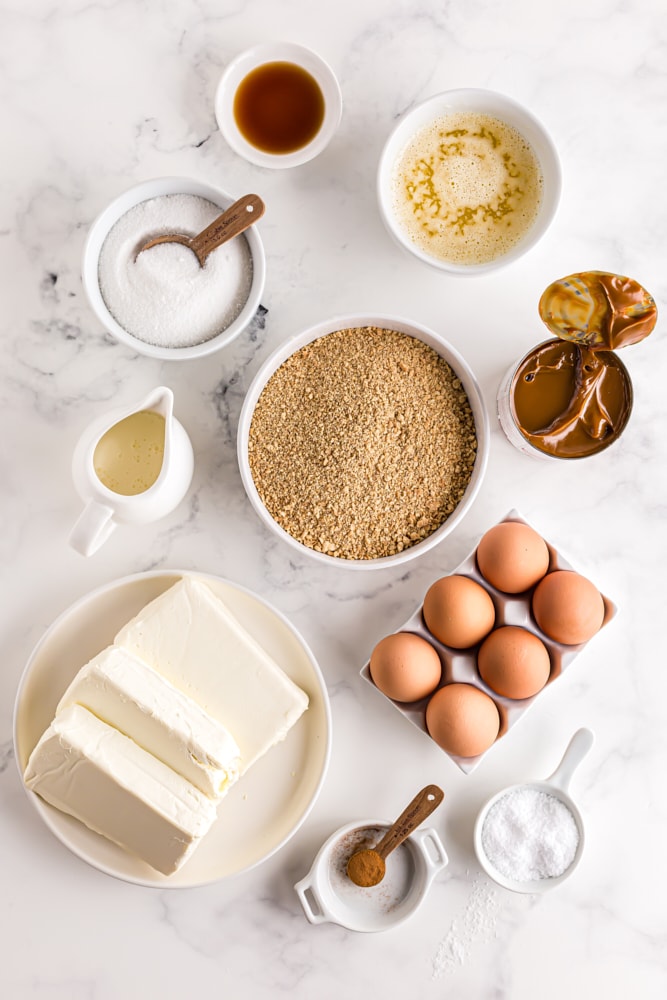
[362, 443]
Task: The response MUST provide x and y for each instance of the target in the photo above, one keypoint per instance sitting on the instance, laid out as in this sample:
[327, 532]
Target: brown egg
[568, 607]
[458, 611]
[462, 719]
[512, 557]
[405, 667]
[514, 662]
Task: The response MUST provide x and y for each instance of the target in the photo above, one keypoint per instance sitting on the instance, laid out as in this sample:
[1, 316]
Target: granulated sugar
[529, 834]
[163, 297]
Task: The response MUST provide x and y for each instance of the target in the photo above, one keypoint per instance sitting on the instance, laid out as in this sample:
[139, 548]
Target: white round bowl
[536, 885]
[556, 785]
[483, 102]
[278, 52]
[326, 895]
[108, 218]
[412, 329]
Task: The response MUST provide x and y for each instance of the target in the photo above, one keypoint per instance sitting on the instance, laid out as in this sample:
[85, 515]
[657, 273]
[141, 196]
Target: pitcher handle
[92, 528]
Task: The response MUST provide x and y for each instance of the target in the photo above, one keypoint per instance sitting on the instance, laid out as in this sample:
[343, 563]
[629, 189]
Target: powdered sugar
[163, 297]
[529, 835]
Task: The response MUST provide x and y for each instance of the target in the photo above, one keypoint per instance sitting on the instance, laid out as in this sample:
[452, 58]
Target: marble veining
[97, 97]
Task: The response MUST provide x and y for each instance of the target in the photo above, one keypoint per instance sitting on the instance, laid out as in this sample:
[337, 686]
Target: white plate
[270, 802]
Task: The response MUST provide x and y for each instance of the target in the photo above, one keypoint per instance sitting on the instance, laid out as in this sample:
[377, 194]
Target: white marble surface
[94, 97]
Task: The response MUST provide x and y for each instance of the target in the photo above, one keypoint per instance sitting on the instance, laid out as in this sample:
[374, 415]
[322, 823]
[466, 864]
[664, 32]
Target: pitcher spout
[160, 400]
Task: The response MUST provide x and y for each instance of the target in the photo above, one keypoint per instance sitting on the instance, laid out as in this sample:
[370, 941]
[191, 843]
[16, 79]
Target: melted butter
[128, 457]
[570, 401]
[467, 188]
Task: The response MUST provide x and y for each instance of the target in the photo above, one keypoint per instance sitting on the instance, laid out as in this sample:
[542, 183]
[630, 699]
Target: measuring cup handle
[92, 529]
[576, 750]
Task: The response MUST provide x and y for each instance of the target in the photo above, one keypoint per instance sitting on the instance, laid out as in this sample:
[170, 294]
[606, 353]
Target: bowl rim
[113, 211]
[475, 99]
[278, 51]
[401, 325]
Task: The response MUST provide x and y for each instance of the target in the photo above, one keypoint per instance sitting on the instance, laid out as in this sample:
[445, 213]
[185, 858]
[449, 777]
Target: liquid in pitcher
[129, 456]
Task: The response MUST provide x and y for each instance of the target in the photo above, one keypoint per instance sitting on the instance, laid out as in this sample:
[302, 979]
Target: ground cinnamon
[366, 868]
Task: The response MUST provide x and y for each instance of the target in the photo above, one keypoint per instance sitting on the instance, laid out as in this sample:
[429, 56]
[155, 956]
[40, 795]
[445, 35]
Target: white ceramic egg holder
[460, 665]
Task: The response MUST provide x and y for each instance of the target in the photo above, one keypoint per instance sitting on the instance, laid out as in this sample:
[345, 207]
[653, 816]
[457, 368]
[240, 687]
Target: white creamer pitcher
[131, 466]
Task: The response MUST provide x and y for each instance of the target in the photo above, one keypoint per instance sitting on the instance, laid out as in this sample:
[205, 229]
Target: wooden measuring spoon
[234, 221]
[367, 866]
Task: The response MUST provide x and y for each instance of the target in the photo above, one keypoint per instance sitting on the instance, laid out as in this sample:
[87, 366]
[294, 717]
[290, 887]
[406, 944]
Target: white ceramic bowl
[269, 52]
[107, 219]
[556, 785]
[484, 102]
[412, 329]
[326, 895]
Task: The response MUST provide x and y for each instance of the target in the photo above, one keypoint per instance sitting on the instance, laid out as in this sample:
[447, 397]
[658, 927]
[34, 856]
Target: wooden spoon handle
[235, 220]
[423, 804]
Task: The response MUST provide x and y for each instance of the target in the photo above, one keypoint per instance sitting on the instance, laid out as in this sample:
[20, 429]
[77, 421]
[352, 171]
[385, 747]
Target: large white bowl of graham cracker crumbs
[363, 441]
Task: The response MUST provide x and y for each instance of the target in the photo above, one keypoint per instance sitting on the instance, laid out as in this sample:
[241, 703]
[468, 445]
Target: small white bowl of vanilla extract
[278, 104]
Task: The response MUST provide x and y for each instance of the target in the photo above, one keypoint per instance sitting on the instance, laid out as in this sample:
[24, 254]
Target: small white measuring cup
[106, 508]
[327, 894]
[557, 785]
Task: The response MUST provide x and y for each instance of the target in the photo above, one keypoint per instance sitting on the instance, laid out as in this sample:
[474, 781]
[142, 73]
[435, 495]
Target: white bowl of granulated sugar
[161, 303]
[363, 441]
[530, 837]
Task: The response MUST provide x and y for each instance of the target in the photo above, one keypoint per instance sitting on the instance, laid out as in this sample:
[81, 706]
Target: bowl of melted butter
[468, 181]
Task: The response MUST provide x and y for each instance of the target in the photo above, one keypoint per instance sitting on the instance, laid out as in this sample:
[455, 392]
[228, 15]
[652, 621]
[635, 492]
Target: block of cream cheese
[190, 636]
[128, 694]
[88, 769]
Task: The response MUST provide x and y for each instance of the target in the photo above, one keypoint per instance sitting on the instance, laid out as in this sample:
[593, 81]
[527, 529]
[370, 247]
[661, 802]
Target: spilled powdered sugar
[475, 926]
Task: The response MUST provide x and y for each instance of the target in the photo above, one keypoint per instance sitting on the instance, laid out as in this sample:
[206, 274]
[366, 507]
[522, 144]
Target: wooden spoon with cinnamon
[367, 867]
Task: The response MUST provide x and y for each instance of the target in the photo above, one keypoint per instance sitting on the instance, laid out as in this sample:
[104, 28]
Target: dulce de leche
[572, 397]
[570, 401]
[598, 309]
